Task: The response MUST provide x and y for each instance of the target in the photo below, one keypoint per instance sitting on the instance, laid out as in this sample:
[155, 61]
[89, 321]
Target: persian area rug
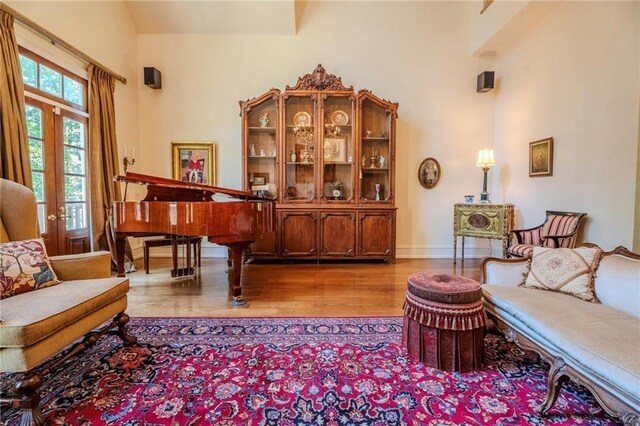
[295, 371]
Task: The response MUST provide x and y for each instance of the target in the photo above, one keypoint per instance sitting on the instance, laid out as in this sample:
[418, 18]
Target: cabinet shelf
[298, 163]
[375, 139]
[374, 169]
[263, 129]
[339, 163]
[266, 157]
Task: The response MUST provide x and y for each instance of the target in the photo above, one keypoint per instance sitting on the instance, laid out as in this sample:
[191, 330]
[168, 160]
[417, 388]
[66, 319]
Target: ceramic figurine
[381, 162]
[378, 187]
[252, 151]
[368, 134]
[293, 156]
[264, 120]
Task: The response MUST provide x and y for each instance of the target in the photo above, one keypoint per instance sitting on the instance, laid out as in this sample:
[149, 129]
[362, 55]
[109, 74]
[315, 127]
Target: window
[44, 78]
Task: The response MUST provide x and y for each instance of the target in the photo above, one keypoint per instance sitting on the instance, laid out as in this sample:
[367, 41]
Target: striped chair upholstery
[559, 229]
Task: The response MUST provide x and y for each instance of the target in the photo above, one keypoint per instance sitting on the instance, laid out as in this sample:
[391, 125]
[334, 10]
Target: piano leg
[237, 251]
[120, 246]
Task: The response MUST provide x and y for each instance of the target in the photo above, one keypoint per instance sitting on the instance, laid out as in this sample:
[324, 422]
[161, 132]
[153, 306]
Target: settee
[38, 324]
[596, 345]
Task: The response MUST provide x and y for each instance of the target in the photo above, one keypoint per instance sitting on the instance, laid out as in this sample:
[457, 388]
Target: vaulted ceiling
[214, 17]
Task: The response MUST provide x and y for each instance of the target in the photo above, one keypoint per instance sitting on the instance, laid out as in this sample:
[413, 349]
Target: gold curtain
[14, 146]
[104, 161]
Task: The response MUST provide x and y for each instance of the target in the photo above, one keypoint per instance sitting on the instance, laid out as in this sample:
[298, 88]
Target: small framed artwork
[194, 162]
[541, 158]
[429, 173]
[335, 150]
[259, 180]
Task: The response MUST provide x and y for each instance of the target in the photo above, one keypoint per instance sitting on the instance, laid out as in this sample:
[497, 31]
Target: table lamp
[485, 160]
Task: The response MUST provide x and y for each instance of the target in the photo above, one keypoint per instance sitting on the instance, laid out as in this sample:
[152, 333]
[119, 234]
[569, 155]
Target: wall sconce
[486, 161]
[125, 161]
[485, 81]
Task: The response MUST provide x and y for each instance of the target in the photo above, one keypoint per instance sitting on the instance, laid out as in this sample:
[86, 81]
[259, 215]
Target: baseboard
[424, 252]
[402, 252]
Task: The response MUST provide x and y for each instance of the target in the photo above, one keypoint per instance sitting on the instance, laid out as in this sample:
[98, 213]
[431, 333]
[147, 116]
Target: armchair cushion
[559, 225]
[58, 307]
[569, 271]
[559, 229]
[24, 267]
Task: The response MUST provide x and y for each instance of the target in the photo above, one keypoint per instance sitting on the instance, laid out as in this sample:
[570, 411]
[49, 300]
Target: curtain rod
[54, 39]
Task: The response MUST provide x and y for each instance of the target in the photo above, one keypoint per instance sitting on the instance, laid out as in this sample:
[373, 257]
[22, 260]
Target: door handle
[52, 217]
[63, 213]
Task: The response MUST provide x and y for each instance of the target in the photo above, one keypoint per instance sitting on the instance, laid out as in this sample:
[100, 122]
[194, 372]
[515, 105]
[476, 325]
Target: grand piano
[182, 209]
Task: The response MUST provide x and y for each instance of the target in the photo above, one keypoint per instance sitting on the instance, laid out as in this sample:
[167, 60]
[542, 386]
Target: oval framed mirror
[429, 172]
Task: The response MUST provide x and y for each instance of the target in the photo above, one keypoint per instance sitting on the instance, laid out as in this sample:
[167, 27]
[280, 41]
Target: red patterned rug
[295, 371]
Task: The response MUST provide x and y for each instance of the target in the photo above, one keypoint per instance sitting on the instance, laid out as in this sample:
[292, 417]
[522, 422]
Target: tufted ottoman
[444, 321]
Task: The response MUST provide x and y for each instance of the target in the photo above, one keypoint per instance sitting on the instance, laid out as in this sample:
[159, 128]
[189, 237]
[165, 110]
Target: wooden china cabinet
[326, 154]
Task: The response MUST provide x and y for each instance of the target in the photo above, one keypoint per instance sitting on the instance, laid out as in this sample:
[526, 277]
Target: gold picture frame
[541, 158]
[335, 150]
[194, 162]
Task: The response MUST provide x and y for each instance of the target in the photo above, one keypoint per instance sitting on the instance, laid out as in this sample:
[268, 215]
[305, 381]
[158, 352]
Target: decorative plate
[302, 119]
[339, 118]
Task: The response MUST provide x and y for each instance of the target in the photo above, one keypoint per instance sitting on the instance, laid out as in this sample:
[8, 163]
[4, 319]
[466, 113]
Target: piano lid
[163, 189]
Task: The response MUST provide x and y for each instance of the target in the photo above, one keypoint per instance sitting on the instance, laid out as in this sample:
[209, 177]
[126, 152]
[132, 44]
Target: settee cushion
[596, 336]
[565, 270]
[24, 267]
[29, 318]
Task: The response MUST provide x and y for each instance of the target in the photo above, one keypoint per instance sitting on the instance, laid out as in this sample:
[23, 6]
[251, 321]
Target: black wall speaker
[152, 78]
[485, 81]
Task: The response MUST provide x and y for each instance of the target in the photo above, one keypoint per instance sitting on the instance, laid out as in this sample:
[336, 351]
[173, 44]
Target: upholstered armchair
[38, 324]
[559, 229]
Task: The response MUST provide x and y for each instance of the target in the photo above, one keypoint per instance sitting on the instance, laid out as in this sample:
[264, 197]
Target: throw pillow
[24, 266]
[565, 270]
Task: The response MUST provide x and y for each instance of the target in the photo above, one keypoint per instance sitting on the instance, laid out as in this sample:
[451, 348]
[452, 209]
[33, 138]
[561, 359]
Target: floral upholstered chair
[559, 229]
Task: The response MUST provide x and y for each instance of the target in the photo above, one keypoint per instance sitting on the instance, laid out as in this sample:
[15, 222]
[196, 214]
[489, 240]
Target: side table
[493, 221]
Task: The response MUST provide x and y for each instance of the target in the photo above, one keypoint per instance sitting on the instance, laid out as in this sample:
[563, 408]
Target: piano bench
[174, 242]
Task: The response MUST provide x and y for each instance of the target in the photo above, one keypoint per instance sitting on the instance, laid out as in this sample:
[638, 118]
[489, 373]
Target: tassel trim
[444, 316]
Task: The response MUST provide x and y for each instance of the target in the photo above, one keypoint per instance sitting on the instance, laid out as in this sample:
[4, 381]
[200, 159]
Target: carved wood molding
[319, 80]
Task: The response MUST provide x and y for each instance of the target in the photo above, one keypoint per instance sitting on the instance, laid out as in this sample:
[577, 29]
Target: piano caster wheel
[238, 301]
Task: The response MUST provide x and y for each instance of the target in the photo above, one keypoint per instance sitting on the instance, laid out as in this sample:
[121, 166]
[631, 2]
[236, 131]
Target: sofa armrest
[82, 266]
[504, 272]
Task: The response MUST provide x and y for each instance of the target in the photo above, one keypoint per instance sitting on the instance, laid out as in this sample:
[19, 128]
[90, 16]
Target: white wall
[413, 53]
[102, 30]
[576, 77]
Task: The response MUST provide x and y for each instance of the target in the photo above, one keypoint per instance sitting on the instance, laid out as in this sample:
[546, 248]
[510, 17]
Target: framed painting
[541, 158]
[335, 151]
[194, 162]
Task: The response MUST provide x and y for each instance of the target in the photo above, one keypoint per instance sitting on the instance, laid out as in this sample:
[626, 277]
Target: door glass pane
[34, 121]
[73, 91]
[73, 132]
[75, 188]
[74, 160]
[29, 71]
[50, 81]
[38, 185]
[76, 216]
[36, 152]
[42, 221]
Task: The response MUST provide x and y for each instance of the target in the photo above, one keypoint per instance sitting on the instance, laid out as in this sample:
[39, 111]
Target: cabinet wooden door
[298, 233]
[377, 234]
[266, 245]
[337, 234]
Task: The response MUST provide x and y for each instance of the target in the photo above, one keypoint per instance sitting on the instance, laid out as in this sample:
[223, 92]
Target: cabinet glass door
[300, 149]
[375, 164]
[337, 148]
[262, 148]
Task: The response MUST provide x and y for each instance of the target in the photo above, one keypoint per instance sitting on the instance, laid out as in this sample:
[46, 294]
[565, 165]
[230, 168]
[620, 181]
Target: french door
[58, 147]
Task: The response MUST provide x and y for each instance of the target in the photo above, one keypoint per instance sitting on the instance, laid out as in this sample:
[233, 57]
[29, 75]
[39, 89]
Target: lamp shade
[485, 158]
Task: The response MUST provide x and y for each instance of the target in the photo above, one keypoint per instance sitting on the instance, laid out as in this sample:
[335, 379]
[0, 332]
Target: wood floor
[283, 289]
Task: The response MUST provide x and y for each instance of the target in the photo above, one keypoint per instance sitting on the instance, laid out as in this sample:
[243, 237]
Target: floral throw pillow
[24, 266]
[565, 270]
